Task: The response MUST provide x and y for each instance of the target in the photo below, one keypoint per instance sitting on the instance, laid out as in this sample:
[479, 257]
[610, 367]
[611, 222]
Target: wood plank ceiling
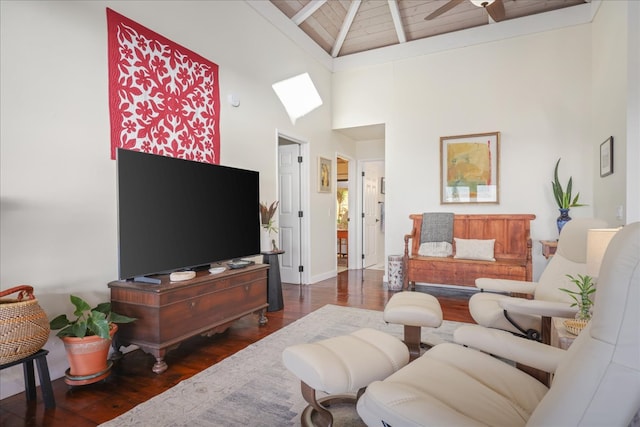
[344, 27]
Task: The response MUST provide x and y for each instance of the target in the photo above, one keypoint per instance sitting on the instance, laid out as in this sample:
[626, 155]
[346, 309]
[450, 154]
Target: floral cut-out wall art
[163, 98]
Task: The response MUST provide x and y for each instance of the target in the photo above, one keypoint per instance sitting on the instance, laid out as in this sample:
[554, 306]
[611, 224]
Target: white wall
[370, 149]
[633, 111]
[58, 193]
[535, 90]
[609, 69]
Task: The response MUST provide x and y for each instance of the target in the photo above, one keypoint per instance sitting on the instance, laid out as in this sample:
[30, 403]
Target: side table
[274, 283]
[549, 248]
[29, 379]
[559, 336]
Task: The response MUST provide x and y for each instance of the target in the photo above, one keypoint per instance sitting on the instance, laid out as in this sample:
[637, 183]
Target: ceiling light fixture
[482, 3]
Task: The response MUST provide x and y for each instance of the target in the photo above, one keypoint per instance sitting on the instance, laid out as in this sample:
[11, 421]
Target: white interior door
[289, 222]
[370, 223]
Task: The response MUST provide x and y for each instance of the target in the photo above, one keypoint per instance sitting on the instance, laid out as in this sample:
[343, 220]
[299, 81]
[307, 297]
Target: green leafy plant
[582, 297]
[267, 214]
[562, 196]
[89, 321]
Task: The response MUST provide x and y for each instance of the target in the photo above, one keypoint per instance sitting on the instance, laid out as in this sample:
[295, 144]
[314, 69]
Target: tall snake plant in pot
[563, 197]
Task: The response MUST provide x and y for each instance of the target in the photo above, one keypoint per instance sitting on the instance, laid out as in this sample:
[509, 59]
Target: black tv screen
[176, 214]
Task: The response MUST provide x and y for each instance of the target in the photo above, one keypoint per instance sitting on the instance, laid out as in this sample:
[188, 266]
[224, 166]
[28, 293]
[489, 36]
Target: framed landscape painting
[469, 168]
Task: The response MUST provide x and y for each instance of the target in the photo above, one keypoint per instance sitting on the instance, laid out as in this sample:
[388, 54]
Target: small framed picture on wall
[324, 175]
[606, 157]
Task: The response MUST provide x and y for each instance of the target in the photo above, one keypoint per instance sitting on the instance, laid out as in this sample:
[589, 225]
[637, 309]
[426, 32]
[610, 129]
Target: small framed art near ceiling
[469, 168]
[606, 157]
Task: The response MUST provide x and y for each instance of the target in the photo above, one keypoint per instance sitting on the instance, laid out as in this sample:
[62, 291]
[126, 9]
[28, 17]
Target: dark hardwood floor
[132, 381]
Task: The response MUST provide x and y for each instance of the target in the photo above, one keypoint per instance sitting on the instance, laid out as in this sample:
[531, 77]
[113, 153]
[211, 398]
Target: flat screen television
[176, 214]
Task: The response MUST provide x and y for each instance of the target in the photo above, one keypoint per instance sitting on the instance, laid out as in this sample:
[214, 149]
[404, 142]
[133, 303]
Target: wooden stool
[29, 380]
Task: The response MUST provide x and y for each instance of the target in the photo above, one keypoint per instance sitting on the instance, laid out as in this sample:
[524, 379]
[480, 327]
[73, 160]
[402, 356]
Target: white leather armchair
[496, 307]
[596, 381]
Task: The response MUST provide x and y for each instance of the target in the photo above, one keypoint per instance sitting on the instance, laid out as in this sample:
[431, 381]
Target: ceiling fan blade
[496, 10]
[442, 9]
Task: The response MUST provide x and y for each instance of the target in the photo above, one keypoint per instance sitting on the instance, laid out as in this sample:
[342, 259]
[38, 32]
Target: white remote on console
[178, 276]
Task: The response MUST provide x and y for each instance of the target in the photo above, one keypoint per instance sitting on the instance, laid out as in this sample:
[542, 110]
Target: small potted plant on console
[268, 226]
[87, 340]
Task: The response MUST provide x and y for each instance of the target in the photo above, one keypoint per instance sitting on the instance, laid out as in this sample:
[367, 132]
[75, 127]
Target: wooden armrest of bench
[407, 237]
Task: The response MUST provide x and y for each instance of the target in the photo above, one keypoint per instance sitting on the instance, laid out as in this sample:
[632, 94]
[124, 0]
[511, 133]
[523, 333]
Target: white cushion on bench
[475, 249]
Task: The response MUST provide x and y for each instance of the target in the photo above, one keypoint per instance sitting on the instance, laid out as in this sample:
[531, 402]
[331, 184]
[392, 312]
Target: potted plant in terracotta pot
[87, 339]
[563, 198]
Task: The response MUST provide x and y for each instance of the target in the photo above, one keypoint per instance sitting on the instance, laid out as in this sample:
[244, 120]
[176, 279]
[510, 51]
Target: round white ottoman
[344, 364]
[413, 310]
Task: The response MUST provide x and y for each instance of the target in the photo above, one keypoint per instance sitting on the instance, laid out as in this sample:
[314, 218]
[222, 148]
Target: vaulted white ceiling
[344, 33]
[344, 27]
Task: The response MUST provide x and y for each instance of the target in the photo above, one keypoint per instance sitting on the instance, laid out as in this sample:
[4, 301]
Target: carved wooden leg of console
[160, 366]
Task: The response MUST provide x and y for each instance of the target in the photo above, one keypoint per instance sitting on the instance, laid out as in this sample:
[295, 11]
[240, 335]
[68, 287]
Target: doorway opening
[372, 213]
[342, 214]
[293, 194]
[366, 158]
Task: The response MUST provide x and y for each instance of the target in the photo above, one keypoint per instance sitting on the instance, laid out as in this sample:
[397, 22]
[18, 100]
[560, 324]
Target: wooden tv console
[171, 312]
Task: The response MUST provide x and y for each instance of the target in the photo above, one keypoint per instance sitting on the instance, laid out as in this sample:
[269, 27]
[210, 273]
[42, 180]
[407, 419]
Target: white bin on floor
[396, 272]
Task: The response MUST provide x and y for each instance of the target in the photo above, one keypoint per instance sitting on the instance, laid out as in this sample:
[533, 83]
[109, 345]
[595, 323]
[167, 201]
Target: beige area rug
[252, 387]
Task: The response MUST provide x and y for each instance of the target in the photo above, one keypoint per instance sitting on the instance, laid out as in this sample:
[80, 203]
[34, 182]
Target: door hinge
[362, 214]
[300, 268]
[300, 214]
[362, 173]
[299, 159]
[362, 256]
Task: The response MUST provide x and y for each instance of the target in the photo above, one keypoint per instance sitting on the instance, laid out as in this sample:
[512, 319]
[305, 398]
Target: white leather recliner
[596, 381]
[494, 307]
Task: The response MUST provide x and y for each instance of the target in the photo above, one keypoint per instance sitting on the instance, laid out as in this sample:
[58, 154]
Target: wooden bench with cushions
[512, 251]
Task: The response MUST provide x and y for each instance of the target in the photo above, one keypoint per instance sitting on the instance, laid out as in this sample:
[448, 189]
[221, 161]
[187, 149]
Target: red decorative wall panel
[163, 98]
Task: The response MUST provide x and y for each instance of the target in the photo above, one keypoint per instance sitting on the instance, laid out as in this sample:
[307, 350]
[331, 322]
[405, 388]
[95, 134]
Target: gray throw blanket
[437, 227]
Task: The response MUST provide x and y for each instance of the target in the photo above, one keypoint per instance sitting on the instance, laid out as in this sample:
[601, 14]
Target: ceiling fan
[495, 8]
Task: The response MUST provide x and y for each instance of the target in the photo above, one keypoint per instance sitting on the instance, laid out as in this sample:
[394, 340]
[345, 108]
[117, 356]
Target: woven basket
[24, 327]
[574, 326]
